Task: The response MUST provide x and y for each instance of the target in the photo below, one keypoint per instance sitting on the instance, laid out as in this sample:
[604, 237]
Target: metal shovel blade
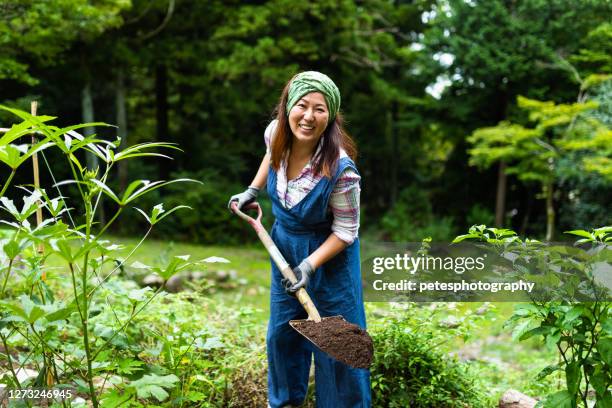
[344, 341]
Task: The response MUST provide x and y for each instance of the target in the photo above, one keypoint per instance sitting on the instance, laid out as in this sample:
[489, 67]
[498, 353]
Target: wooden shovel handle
[277, 257]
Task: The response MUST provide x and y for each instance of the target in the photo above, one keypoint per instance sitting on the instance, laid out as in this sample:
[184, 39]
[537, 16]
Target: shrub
[480, 215]
[411, 219]
[581, 332]
[43, 307]
[410, 370]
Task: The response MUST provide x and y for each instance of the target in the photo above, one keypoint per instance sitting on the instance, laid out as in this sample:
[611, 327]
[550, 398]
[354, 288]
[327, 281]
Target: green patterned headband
[313, 81]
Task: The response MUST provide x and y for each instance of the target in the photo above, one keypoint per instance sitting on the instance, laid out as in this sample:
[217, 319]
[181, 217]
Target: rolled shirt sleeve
[344, 204]
[268, 134]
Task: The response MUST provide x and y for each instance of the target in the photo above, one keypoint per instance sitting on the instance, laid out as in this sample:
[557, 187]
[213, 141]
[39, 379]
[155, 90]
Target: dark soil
[344, 341]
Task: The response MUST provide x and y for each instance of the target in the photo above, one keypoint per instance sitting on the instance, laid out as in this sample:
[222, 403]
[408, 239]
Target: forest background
[436, 94]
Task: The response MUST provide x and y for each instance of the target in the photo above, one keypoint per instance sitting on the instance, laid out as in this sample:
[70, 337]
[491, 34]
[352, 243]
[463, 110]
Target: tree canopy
[417, 79]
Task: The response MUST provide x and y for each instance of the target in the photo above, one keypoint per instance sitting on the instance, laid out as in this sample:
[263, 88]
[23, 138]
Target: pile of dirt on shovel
[344, 341]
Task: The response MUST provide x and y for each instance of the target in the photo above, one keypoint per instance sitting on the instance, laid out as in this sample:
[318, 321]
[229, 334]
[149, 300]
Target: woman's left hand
[302, 273]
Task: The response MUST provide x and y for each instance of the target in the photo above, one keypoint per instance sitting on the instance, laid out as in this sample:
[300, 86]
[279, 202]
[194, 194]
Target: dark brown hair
[334, 137]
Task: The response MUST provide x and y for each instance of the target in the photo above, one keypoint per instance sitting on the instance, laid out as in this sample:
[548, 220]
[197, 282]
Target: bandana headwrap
[313, 81]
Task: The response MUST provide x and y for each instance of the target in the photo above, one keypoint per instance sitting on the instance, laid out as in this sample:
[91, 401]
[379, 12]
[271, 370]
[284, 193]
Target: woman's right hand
[247, 196]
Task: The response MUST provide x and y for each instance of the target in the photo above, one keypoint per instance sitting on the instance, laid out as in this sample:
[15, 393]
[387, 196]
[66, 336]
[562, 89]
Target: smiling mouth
[306, 127]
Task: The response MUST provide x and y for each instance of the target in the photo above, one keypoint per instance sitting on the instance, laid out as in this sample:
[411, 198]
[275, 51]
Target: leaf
[62, 312]
[581, 233]
[112, 398]
[573, 377]
[152, 390]
[167, 213]
[27, 310]
[148, 187]
[594, 80]
[30, 205]
[574, 313]
[9, 206]
[215, 259]
[522, 328]
[136, 150]
[153, 385]
[144, 214]
[525, 309]
[598, 381]
[129, 366]
[11, 249]
[548, 370]
[139, 265]
[18, 130]
[139, 295]
[461, 238]
[606, 325]
[561, 399]
[176, 264]
[605, 400]
[543, 330]
[106, 190]
[552, 340]
[604, 346]
[63, 248]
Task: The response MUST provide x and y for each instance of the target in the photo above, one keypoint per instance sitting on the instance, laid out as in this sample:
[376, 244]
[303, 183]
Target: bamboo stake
[41, 248]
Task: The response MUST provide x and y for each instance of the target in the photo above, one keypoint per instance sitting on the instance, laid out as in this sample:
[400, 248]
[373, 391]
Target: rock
[483, 309]
[23, 374]
[152, 280]
[515, 399]
[175, 283]
[104, 383]
[197, 275]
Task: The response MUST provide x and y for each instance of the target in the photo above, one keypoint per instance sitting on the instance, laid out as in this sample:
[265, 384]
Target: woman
[314, 188]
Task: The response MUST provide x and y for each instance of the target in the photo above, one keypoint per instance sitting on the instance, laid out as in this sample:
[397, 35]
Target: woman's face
[308, 118]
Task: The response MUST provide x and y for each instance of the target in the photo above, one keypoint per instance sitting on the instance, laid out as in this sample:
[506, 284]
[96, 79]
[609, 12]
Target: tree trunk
[550, 211]
[393, 145]
[122, 125]
[161, 103]
[500, 200]
[501, 106]
[92, 159]
[529, 207]
[87, 111]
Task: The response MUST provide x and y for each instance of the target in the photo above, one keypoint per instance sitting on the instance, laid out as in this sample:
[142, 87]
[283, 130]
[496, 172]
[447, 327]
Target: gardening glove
[247, 196]
[302, 272]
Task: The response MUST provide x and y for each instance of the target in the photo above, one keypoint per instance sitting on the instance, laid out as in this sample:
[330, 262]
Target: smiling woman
[308, 119]
[314, 187]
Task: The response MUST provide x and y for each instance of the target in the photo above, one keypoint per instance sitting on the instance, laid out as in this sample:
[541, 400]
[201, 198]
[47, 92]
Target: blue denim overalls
[335, 289]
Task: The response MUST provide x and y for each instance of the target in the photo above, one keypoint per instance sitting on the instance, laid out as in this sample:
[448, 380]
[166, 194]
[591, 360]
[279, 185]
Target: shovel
[344, 341]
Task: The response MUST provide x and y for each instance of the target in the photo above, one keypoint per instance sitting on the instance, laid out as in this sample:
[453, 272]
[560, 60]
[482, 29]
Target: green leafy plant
[30, 312]
[580, 332]
[410, 368]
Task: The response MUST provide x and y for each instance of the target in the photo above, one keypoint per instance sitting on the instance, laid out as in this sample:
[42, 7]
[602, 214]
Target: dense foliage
[410, 368]
[581, 332]
[416, 77]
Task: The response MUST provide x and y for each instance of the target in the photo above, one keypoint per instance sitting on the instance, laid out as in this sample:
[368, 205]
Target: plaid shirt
[344, 200]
